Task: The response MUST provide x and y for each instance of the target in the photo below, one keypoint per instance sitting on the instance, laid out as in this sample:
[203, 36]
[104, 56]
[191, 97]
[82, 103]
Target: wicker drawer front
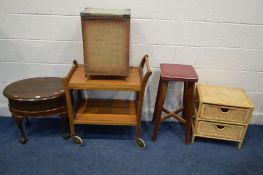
[222, 131]
[223, 113]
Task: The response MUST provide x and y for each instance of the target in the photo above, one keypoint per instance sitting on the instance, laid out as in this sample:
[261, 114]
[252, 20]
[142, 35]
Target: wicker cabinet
[106, 41]
[221, 113]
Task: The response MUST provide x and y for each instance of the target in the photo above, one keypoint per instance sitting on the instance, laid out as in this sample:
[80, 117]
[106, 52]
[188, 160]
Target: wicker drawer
[219, 130]
[224, 113]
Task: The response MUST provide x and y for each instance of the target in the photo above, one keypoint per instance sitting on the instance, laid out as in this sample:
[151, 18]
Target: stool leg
[158, 109]
[19, 123]
[184, 99]
[156, 101]
[188, 110]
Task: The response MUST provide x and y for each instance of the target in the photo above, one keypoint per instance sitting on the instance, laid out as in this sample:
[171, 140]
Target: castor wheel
[66, 136]
[140, 143]
[22, 140]
[77, 140]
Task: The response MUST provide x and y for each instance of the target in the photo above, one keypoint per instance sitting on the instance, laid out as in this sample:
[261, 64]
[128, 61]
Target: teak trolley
[106, 111]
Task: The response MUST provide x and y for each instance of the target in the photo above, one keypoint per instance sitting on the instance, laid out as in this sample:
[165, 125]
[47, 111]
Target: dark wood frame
[23, 108]
[187, 109]
[19, 117]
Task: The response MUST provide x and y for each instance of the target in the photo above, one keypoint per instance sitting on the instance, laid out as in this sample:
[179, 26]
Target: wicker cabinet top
[97, 13]
[223, 96]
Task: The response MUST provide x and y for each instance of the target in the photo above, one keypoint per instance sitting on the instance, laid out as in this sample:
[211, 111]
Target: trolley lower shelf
[106, 112]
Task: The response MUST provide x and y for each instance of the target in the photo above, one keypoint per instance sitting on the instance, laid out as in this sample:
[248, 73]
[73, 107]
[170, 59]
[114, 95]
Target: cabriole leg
[19, 123]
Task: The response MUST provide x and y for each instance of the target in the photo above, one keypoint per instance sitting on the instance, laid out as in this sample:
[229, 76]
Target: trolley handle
[145, 60]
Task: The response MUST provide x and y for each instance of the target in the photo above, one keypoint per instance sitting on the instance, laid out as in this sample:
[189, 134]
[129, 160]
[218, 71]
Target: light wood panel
[110, 111]
[106, 112]
[224, 96]
[79, 81]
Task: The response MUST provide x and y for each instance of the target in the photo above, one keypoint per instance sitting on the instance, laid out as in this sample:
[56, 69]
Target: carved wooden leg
[189, 110]
[158, 108]
[66, 134]
[19, 123]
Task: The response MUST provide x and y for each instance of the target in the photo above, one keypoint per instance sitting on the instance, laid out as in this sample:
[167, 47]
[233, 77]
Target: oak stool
[181, 73]
[34, 97]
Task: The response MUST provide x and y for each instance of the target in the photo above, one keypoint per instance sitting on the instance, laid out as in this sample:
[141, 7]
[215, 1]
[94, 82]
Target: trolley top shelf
[77, 80]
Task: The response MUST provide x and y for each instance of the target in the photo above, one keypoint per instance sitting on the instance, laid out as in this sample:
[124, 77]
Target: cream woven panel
[223, 131]
[222, 113]
[106, 47]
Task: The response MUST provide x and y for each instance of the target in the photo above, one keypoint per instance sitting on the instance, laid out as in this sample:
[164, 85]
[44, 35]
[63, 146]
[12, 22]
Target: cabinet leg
[19, 123]
[239, 145]
[193, 139]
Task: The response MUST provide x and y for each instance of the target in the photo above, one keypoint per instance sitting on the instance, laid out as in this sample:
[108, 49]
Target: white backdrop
[223, 40]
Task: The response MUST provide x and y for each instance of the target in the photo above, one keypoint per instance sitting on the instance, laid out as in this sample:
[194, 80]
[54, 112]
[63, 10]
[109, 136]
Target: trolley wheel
[140, 143]
[77, 140]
